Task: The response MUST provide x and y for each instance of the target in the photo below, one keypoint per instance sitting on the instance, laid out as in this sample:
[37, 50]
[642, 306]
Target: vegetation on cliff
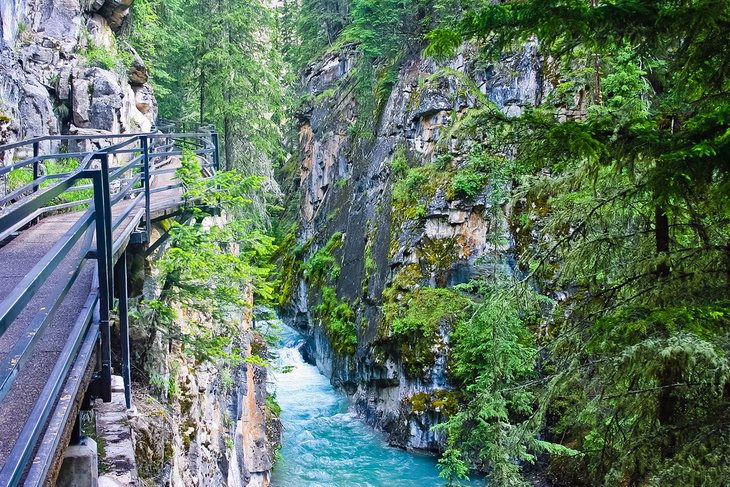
[604, 349]
[609, 340]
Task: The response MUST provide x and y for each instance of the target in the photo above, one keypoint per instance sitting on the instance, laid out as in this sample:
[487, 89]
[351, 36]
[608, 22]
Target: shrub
[467, 184]
[99, 56]
[322, 266]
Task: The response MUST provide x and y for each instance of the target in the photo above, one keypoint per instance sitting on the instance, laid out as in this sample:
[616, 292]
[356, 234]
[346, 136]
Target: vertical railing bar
[108, 219]
[36, 153]
[124, 326]
[146, 177]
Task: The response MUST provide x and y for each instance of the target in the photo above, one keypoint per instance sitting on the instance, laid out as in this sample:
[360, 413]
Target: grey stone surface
[80, 466]
[60, 21]
[46, 86]
[112, 425]
[12, 13]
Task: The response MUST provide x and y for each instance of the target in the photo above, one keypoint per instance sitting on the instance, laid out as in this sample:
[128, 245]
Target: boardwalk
[40, 353]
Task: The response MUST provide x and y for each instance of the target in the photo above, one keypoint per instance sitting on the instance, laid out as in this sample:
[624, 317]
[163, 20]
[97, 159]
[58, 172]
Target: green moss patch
[339, 320]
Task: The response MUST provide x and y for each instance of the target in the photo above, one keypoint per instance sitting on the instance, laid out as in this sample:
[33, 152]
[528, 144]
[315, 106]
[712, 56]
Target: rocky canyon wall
[64, 71]
[388, 246]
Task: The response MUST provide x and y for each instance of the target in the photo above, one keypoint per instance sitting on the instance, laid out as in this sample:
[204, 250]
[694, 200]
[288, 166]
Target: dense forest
[595, 347]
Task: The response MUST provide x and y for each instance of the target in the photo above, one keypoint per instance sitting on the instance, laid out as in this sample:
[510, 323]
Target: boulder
[133, 120]
[144, 99]
[60, 20]
[115, 12]
[97, 100]
[81, 102]
[36, 111]
[138, 72]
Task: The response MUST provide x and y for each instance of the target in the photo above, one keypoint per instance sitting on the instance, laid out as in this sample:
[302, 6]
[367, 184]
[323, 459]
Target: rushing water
[325, 445]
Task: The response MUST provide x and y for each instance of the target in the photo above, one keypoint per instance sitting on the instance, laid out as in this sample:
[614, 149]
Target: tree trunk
[661, 233]
[202, 97]
[228, 133]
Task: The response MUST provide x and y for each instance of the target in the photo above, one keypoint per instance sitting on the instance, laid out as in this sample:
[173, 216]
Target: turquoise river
[324, 444]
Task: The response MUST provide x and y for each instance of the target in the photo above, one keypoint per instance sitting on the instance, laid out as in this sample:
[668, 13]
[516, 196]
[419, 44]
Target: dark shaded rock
[138, 72]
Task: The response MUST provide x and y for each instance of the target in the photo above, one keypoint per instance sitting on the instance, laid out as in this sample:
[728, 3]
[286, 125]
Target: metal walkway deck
[57, 285]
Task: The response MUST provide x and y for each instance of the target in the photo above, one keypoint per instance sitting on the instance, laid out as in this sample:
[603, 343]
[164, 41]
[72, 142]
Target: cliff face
[199, 422]
[346, 184]
[64, 71]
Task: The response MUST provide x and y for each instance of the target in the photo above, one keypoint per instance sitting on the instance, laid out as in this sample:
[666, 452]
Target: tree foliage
[209, 269]
[215, 61]
[631, 193]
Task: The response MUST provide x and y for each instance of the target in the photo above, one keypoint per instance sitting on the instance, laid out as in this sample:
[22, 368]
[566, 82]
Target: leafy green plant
[99, 56]
[422, 310]
[272, 405]
[209, 270]
[467, 184]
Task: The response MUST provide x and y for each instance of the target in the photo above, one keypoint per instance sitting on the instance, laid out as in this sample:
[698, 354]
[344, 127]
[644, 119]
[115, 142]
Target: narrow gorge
[449, 243]
[385, 244]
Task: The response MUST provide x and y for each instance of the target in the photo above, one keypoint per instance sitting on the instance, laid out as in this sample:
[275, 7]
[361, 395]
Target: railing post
[121, 275]
[216, 160]
[102, 262]
[36, 152]
[104, 157]
[146, 178]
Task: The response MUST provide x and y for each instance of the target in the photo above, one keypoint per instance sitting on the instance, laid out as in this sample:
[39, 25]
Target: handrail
[144, 155]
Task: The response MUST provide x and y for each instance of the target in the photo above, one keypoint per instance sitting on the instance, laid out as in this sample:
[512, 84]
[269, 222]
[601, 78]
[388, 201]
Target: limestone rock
[45, 86]
[60, 21]
[97, 100]
[36, 111]
[81, 102]
[100, 32]
[382, 241]
[12, 13]
[144, 99]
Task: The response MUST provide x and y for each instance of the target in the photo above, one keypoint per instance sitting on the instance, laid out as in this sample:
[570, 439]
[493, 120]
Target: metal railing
[140, 160]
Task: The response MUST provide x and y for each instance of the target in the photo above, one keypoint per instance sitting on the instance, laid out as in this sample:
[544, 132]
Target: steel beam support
[103, 260]
[76, 431]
